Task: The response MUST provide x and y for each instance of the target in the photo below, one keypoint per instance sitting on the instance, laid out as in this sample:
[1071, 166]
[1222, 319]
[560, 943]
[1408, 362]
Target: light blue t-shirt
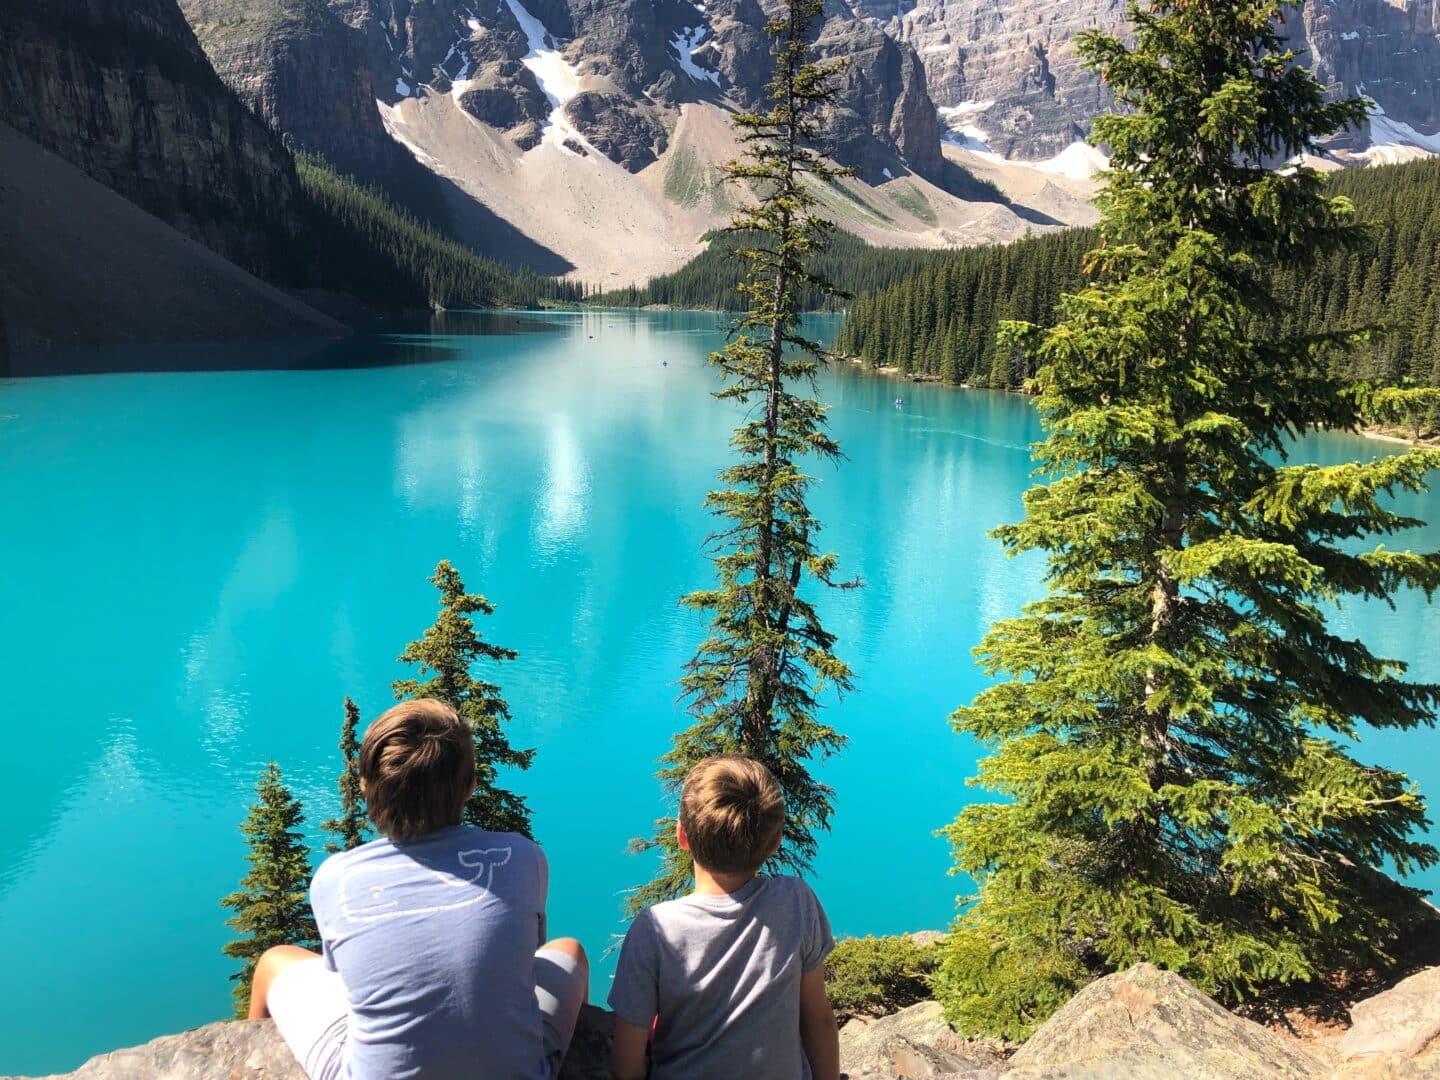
[435, 942]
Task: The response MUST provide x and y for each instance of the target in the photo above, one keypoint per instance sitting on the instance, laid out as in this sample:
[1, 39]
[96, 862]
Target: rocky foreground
[1142, 1024]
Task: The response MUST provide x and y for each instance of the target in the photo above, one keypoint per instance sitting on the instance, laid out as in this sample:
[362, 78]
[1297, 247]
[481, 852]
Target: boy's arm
[818, 1033]
[627, 1053]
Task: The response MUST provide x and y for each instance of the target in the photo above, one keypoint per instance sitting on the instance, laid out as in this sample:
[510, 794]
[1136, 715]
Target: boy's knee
[571, 948]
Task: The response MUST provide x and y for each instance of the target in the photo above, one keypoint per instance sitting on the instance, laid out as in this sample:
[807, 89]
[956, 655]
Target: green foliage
[362, 243]
[911, 198]
[1393, 282]
[1172, 727]
[350, 827]
[753, 683]
[941, 319]
[272, 905]
[872, 976]
[446, 652]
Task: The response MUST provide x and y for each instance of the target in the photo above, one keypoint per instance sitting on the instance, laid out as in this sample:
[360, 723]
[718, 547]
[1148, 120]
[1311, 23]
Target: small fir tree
[754, 683]
[272, 905]
[447, 652]
[350, 827]
[1172, 737]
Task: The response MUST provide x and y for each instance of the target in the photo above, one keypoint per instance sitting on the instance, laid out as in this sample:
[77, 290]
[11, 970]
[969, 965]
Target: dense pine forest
[711, 280]
[364, 244]
[941, 322]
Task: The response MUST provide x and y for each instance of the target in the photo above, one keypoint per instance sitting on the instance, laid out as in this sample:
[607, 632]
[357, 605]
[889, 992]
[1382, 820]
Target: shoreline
[1379, 433]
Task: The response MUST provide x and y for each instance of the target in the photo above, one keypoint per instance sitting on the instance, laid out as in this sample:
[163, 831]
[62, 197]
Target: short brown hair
[417, 763]
[733, 814]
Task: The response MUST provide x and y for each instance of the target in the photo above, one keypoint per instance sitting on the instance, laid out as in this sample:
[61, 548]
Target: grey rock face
[121, 89]
[1389, 51]
[884, 110]
[1017, 59]
[305, 71]
[624, 133]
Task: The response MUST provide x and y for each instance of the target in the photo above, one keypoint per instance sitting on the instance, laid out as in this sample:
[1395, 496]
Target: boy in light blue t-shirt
[434, 960]
[732, 977]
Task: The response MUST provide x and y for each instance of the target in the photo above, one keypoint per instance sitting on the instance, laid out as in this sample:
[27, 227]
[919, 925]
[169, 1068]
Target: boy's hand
[627, 1053]
[818, 1033]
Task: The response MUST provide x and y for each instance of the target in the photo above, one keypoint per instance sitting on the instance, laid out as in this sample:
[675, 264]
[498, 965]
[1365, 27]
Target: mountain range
[578, 136]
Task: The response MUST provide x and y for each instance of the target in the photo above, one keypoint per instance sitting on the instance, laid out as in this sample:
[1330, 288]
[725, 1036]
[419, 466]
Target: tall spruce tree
[272, 905]
[1173, 731]
[350, 827]
[753, 685]
[447, 652]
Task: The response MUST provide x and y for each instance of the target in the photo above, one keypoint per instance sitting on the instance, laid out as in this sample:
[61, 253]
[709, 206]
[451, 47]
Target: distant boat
[899, 403]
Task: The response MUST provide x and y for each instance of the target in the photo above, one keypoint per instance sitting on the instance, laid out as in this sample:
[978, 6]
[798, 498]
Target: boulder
[915, 1042]
[1145, 1023]
[253, 1050]
[1404, 1019]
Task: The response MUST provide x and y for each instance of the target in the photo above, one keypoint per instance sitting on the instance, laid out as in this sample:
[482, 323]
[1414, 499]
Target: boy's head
[733, 813]
[417, 768]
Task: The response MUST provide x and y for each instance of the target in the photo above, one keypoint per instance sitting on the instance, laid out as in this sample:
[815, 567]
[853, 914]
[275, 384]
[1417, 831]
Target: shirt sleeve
[325, 952]
[817, 939]
[635, 992]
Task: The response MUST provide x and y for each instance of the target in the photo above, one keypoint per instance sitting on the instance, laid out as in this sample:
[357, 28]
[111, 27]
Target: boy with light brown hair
[435, 962]
[731, 977]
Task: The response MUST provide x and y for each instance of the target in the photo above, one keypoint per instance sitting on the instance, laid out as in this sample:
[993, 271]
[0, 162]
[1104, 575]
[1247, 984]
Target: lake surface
[195, 569]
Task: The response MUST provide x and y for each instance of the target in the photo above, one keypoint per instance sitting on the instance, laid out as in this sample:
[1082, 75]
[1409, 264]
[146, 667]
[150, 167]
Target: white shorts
[308, 1003]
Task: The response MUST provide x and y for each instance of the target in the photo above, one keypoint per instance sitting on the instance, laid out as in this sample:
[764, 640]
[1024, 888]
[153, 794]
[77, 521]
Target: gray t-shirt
[722, 973]
[435, 942]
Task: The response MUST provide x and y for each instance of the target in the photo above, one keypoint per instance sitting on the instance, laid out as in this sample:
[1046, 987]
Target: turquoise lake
[195, 569]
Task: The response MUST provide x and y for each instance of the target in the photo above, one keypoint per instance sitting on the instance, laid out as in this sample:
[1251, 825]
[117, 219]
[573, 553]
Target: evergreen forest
[360, 242]
[942, 321]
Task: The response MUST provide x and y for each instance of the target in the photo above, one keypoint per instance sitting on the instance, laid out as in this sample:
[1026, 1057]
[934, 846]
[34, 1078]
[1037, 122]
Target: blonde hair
[417, 763]
[733, 814]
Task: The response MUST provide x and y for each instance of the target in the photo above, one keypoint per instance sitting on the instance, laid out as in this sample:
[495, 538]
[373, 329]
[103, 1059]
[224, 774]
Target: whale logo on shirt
[369, 892]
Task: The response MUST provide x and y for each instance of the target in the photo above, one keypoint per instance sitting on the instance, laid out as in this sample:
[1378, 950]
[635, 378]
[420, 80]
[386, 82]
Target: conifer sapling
[350, 827]
[447, 652]
[272, 905]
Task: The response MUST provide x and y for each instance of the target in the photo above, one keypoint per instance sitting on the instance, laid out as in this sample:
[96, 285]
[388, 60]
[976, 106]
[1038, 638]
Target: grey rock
[239, 1050]
[628, 134]
[1404, 1019]
[1389, 1067]
[1146, 1022]
[915, 1042]
[253, 1050]
[306, 73]
[1020, 57]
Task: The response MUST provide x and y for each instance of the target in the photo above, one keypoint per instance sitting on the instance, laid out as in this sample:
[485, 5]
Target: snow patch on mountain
[958, 121]
[1078, 161]
[1393, 141]
[558, 78]
[686, 44]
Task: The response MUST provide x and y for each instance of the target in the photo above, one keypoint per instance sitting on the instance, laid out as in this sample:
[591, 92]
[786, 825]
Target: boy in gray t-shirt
[433, 963]
[730, 979]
